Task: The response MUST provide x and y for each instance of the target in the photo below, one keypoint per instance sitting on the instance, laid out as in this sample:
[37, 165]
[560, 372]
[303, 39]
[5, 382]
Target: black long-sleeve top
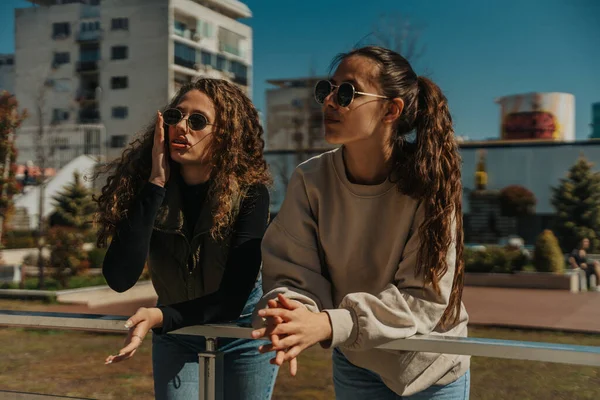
[128, 251]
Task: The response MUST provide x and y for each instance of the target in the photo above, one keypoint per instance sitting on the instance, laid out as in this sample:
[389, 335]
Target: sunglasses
[195, 122]
[344, 95]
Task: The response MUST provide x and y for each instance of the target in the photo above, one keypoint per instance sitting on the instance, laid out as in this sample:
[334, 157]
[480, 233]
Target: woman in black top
[193, 205]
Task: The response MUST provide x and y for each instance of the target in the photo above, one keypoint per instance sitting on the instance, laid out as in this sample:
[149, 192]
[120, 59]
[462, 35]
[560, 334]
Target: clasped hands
[291, 328]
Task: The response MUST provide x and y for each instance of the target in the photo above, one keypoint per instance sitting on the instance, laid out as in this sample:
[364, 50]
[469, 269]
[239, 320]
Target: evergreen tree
[74, 206]
[577, 204]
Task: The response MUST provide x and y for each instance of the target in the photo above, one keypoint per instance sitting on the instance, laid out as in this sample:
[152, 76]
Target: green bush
[518, 259]
[547, 256]
[96, 257]
[495, 260]
[19, 240]
[66, 253]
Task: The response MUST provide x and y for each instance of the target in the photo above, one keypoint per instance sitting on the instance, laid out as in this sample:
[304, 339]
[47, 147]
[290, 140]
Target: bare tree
[42, 152]
[396, 32]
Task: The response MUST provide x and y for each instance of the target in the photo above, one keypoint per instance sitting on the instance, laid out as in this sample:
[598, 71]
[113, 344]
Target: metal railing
[210, 361]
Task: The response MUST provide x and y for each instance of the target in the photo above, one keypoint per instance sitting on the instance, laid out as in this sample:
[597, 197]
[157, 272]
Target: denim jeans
[248, 375]
[355, 383]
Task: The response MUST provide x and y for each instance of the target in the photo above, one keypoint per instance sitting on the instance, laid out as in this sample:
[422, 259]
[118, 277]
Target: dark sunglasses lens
[322, 90]
[345, 94]
[197, 122]
[172, 116]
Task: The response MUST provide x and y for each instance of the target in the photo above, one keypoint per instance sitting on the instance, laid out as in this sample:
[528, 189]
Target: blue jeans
[355, 383]
[248, 375]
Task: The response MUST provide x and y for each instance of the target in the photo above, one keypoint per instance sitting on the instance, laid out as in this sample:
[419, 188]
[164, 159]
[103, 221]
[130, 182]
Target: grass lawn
[72, 364]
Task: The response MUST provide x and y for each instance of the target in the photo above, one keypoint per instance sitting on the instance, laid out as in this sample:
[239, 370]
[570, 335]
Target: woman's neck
[195, 174]
[367, 162]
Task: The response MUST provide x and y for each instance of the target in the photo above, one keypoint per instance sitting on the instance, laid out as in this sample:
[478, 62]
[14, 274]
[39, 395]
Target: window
[119, 24]
[119, 82]
[61, 143]
[206, 57]
[230, 42]
[240, 72]
[221, 63]
[117, 141]
[119, 53]
[10, 61]
[89, 26]
[185, 55]
[61, 30]
[89, 52]
[120, 112]
[179, 28]
[62, 85]
[61, 58]
[60, 115]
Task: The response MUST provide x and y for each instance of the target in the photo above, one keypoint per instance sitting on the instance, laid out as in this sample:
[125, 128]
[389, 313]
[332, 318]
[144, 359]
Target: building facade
[111, 64]
[294, 118]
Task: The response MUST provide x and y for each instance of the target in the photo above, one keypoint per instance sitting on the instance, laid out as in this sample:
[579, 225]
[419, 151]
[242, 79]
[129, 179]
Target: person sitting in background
[578, 260]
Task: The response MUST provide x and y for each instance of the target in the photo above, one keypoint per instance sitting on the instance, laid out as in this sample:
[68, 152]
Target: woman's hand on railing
[139, 325]
[296, 330]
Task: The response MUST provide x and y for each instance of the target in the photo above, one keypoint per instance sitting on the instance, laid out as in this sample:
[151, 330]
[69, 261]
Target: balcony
[228, 48]
[86, 96]
[89, 116]
[87, 66]
[89, 36]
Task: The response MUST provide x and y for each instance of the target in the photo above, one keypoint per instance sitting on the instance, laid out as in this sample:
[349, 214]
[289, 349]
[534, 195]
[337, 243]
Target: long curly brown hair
[427, 169]
[236, 155]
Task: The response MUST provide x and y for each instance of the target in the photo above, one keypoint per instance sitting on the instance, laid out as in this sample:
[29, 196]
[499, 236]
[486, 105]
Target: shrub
[96, 257]
[516, 201]
[547, 256]
[19, 240]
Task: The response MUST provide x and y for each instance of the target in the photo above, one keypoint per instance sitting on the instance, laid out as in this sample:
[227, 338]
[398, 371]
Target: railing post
[210, 368]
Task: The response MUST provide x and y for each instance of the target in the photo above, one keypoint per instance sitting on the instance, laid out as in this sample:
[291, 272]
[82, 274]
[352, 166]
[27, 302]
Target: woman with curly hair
[194, 205]
[367, 246]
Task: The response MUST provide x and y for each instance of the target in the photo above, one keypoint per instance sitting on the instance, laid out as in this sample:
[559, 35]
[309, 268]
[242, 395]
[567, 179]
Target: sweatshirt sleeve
[364, 321]
[291, 262]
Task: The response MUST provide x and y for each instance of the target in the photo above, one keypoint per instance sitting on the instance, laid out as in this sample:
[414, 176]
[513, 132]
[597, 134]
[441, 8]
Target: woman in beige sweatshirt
[367, 246]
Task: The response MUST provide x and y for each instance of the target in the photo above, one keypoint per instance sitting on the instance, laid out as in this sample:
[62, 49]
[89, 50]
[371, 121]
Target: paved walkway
[544, 309]
[552, 309]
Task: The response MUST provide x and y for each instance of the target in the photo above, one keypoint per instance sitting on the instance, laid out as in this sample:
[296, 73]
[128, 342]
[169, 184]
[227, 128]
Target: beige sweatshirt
[366, 238]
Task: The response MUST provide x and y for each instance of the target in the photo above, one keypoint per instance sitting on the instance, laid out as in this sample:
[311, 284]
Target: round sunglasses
[195, 121]
[344, 95]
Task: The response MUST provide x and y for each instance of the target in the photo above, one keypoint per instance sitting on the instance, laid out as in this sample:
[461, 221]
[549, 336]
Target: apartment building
[294, 118]
[93, 73]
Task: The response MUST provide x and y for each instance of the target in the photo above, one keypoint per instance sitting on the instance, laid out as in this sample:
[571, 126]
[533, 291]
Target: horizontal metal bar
[495, 348]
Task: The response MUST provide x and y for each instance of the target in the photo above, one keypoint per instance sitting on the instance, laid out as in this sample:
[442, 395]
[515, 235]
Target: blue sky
[476, 50]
